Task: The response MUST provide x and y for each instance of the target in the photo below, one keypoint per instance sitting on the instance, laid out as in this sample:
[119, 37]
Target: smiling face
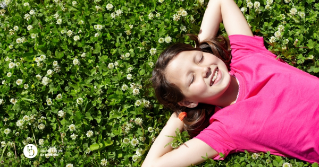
[202, 77]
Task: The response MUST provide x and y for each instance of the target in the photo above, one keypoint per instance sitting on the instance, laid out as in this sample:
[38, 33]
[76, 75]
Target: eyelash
[201, 59]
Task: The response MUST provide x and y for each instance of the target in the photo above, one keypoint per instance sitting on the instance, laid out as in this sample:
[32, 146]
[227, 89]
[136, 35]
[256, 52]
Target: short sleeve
[215, 136]
[242, 45]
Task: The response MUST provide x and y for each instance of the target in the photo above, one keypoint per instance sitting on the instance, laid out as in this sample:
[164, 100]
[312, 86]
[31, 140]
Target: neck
[230, 95]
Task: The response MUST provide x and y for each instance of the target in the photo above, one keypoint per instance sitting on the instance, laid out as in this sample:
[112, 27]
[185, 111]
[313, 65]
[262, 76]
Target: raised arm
[190, 152]
[226, 11]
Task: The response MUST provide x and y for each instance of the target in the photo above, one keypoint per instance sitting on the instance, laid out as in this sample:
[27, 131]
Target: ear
[188, 104]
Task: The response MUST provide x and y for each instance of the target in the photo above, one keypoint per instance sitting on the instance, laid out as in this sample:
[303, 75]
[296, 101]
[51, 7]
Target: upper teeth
[215, 76]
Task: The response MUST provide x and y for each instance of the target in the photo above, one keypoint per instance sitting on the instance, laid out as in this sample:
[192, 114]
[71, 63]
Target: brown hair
[169, 94]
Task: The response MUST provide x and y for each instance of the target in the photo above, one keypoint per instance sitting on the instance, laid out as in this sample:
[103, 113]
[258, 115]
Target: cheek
[197, 89]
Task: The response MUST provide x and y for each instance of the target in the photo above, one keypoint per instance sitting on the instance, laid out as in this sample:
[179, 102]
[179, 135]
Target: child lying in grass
[232, 101]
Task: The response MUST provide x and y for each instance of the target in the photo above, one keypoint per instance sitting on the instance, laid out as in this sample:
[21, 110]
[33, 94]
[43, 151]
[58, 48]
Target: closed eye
[201, 59]
[192, 80]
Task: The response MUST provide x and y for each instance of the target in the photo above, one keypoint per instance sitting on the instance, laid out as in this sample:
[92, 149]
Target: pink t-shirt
[277, 108]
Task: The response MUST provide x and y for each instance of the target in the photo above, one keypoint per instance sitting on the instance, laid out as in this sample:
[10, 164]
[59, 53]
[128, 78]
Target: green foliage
[79, 87]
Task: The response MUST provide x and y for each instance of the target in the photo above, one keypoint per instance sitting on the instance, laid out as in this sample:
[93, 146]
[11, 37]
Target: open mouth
[215, 75]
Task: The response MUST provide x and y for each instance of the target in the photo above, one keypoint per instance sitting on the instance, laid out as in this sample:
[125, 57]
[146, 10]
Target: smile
[215, 77]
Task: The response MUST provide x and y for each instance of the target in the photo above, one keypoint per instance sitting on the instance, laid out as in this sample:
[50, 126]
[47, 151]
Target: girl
[254, 102]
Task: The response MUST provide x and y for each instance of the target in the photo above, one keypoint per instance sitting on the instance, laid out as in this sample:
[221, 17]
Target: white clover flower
[302, 14]
[76, 38]
[161, 40]
[134, 142]
[49, 101]
[26, 86]
[52, 150]
[42, 57]
[135, 158]
[139, 152]
[256, 5]
[19, 40]
[45, 80]
[59, 96]
[136, 91]
[168, 39]
[103, 162]
[69, 33]
[250, 5]
[76, 62]
[3, 144]
[150, 129]
[118, 12]
[153, 51]
[150, 16]
[13, 100]
[79, 100]
[277, 34]
[11, 46]
[61, 113]
[49, 72]
[74, 3]
[41, 141]
[1, 101]
[131, 26]
[39, 77]
[267, 7]
[9, 74]
[287, 1]
[146, 103]
[255, 156]
[269, 2]
[285, 41]
[26, 4]
[282, 16]
[26, 118]
[176, 17]
[59, 21]
[89, 133]
[41, 126]
[32, 12]
[183, 28]
[27, 16]
[56, 16]
[63, 31]
[160, 1]
[20, 122]
[83, 54]
[7, 131]
[73, 136]
[16, 28]
[55, 63]
[81, 22]
[33, 35]
[184, 13]
[293, 11]
[286, 164]
[110, 66]
[96, 35]
[126, 140]
[272, 39]
[113, 15]
[128, 32]
[129, 76]
[109, 6]
[11, 65]
[142, 138]
[138, 121]
[127, 55]
[19, 82]
[138, 102]
[281, 28]
[11, 32]
[72, 127]
[124, 87]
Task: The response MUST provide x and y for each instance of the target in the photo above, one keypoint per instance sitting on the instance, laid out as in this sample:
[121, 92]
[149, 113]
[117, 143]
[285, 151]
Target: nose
[206, 72]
